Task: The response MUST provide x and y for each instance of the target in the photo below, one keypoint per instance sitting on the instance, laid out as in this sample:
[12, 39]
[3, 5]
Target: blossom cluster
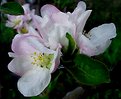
[37, 48]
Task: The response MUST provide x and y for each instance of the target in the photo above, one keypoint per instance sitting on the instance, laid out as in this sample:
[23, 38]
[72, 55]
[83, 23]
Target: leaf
[6, 34]
[89, 71]
[12, 8]
[72, 44]
[53, 83]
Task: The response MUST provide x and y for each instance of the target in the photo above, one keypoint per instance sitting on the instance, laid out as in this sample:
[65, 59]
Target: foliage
[89, 71]
[11, 8]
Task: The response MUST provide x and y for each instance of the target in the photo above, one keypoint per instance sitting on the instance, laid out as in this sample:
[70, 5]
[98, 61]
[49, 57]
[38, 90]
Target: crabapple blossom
[18, 22]
[54, 24]
[34, 62]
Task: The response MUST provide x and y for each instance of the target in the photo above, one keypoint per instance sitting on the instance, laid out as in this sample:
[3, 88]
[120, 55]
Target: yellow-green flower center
[42, 59]
[23, 30]
[16, 22]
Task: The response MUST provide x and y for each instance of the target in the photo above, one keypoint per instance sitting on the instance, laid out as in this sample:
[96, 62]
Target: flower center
[23, 30]
[42, 59]
[16, 22]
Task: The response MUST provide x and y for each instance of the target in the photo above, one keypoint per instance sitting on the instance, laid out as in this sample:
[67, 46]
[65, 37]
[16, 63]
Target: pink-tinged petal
[27, 12]
[56, 60]
[81, 21]
[20, 64]
[14, 21]
[32, 31]
[39, 23]
[34, 82]
[29, 29]
[85, 46]
[26, 8]
[81, 7]
[58, 34]
[27, 44]
[9, 24]
[102, 33]
[11, 17]
[53, 43]
[61, 18]
[21, 45]
[102, 47]
[89, 48]
[48, 10]
[61, 25]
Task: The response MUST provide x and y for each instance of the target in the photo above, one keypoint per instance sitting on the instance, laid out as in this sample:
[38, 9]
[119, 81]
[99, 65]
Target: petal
[102, 33]
[58, 34]
[11, 17]
[39, 23]
[81, 21]
[26, 8]
[85, 46]
[88, 48]
[48, 10]
[102, 47]
[53, 43]
[61, 26]
[32, 31]
[11, 54]
[61, 18]
[81, 7]
[56, 60]
[9, 24]
[20, 64]
[27, 44]
[22, 45]
[34, 82]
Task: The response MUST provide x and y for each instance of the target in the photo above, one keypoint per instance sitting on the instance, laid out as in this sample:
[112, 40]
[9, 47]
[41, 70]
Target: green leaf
[53, 83]
[13, 8]
[6, 34]
[89, 71]
[72, 44]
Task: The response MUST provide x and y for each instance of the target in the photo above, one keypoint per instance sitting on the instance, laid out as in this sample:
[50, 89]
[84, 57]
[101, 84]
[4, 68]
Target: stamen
[42, 59]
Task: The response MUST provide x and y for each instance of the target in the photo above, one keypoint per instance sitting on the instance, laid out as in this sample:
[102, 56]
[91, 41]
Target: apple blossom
[17, 22]
[34, 62]
[54, 24]
[14, 21]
